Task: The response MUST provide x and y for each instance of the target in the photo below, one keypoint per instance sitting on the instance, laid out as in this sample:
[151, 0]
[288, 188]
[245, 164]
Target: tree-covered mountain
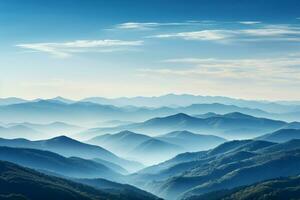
[124, 190]
[281, 188]
[19, 183]
[230, 165]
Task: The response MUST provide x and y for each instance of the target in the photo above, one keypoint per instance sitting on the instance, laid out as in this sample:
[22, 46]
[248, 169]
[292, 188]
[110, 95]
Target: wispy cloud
[65, 49]
[269, 32]
[250, 22]
[199, 35]
[137, 25]
[153, 25]
[272, 70]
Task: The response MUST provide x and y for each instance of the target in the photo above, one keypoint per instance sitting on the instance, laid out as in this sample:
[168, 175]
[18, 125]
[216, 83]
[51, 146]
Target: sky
[82, 48]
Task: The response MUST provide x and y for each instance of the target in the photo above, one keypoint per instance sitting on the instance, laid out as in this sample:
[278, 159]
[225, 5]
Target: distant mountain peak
[238, 115]
[62, 99]
[63, 138]
[126, 132]
[179, 133]
[179, 116]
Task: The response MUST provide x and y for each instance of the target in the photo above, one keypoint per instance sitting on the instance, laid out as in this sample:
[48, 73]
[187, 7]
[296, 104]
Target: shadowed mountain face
[281, 188]
[232, 125]
[230, 165]
[69, 147]
[152, 150]
[282, 135]
[19, 183]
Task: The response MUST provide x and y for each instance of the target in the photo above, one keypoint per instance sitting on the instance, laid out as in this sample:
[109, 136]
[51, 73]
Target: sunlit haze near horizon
[79, 49]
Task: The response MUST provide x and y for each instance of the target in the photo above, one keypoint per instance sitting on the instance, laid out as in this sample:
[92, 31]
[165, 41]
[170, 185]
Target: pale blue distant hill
[11, 100]
[186, 100]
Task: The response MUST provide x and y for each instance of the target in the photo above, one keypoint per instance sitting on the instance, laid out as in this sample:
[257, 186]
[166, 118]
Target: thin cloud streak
[270, 32]
[154, 25]
[66, 49]
[212, 35]
[250, 22]
[285, 70]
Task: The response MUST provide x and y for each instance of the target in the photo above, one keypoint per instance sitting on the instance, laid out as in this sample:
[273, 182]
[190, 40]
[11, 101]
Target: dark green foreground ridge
[19, 183]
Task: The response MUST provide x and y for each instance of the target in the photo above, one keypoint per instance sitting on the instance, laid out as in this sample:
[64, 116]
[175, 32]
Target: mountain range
[150, 150]
[177, 147]
[231, 125]
[186, 100]
[84, 113]
[174, 100]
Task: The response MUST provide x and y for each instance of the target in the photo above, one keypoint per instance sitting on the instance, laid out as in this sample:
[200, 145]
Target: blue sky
[79, 48]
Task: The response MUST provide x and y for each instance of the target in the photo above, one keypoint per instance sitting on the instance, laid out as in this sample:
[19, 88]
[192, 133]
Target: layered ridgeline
[53, 163]
[231, 125]
[81, 113]
[37, 131]
[19, 183]
[151, 150]
[186, 100]
[230, 165]
[72, 148]
[174, 100]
